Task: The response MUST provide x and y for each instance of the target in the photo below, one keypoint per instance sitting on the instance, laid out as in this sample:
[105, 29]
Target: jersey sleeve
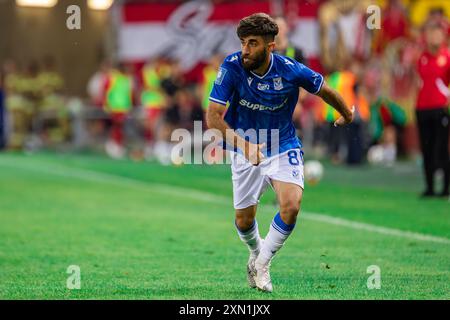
[307, 78]
[224, 85]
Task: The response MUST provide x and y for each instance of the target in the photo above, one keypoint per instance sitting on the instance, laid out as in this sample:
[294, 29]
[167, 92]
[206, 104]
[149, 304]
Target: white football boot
[251, 271]
[262, 279]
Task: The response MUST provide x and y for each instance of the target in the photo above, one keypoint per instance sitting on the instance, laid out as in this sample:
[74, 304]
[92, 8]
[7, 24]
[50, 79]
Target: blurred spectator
[184, 111]
[394, 25]
[343, 32]
[282, 44]
[398, 84]
[209, 75]
[153, 97]
[94, 119]
[437, 15]
[386, 117]
[347, 83]
[49, 78]
[181, 114]
[96, 84]
[19, 107]
[173, 79]
[422, 11]
[53, 117]
[432, 106]
[30, 85]
[118, 103]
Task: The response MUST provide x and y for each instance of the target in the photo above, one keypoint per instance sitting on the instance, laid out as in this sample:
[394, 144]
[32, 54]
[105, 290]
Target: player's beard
[254, 62]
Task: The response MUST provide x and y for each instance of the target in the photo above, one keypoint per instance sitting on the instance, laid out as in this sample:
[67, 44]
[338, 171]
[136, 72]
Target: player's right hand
[253, 153]
[343, 121]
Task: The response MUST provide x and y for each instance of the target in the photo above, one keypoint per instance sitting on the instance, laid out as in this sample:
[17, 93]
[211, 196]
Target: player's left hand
[254, 153]
[343, 121]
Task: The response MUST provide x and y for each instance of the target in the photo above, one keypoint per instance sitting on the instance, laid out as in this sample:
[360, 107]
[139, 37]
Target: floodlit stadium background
[87, 179]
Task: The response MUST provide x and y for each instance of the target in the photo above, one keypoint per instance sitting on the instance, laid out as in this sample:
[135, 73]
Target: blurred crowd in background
[130, 110]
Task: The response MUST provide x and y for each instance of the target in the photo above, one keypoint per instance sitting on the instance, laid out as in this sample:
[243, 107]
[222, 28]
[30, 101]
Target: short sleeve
[307, 78]
[224, 86]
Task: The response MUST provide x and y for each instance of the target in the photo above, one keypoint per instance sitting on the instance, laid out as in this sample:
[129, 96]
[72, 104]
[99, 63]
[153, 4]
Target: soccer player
[262, 89]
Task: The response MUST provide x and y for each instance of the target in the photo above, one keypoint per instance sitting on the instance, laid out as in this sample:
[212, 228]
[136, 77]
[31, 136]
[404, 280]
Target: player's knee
[290, 208]
[244, 222]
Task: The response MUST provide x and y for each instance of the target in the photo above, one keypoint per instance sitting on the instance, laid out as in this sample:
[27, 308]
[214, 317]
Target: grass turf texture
[144, 231]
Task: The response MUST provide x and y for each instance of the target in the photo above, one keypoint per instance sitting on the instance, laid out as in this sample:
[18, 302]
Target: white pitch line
[373, 228]
[120, 181]
[94, 176]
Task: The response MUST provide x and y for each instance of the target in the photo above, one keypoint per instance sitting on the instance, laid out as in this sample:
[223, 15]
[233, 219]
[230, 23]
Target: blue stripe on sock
[283, 226]
[279, 230]
[252, 227]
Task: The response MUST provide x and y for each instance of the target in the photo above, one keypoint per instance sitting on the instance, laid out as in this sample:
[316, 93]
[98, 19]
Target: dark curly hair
[258, 24]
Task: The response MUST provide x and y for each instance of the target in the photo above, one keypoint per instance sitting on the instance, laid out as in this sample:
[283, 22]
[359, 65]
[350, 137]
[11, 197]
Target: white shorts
[250, 182]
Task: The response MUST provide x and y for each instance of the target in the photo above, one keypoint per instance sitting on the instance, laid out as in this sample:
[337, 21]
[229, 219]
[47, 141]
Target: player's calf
[251, 238]
[247, 229]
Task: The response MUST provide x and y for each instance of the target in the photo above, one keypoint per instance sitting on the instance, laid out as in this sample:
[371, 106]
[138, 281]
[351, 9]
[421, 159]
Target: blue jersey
[264, 103]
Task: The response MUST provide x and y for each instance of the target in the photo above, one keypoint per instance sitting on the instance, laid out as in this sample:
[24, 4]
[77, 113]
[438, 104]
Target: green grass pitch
[145, 231]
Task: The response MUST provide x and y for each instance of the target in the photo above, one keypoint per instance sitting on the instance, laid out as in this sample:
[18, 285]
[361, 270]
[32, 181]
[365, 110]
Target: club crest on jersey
[249, 80]
[220, 75]
[263, 86]
[277, 83]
